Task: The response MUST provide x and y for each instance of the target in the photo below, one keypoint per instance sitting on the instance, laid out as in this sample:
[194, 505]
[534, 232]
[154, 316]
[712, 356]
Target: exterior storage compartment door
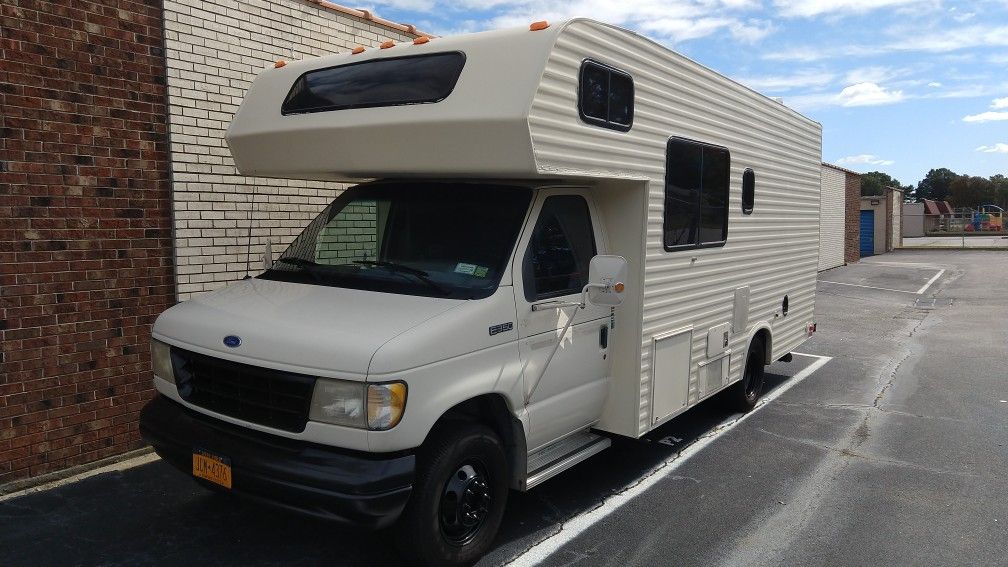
[670, 370]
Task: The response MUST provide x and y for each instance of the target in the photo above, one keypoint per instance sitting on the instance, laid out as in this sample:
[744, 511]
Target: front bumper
[346, 486]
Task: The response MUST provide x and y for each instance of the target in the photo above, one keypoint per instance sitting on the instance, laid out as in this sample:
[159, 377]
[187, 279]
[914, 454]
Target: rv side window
[696, 194]
[748, 191]
[605, 96]
[561, 247]
[393, 81]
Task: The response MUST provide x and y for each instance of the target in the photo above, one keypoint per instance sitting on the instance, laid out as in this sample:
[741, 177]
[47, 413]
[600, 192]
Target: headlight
[356, 404]
[161, 360]
[338, 402]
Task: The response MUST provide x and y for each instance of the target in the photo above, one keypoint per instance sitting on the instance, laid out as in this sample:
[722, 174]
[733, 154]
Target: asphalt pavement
[892, 452]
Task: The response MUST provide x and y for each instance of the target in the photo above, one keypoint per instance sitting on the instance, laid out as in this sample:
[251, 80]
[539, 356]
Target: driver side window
[561, 247]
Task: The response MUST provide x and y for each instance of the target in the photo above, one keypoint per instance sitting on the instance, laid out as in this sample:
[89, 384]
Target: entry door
[867, 233]
[553, 266]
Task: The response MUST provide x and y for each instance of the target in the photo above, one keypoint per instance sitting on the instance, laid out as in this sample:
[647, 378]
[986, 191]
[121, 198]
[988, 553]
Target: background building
[839, 208]
[111, 143]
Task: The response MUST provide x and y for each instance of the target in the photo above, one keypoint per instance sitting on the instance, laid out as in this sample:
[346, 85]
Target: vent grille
[250, 393]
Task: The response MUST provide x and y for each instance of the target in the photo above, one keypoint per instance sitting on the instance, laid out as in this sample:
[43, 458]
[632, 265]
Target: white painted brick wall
[214, 49]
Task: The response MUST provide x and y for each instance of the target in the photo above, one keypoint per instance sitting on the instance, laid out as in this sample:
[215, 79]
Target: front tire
[746, 392]
[458, 498]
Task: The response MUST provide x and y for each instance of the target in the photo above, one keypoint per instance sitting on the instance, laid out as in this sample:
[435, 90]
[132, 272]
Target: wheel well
[764, 335]
[492, 410]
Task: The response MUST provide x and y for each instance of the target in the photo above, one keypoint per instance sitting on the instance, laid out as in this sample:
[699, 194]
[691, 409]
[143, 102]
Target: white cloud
[670, 22]
[999, 148]
[874, 74]
[864, 159]
[934, 84]
[868, 94]
[986, 117]
[751, 31]
[952, 39]
[811, 8]
[802, 79]
[1000, 103]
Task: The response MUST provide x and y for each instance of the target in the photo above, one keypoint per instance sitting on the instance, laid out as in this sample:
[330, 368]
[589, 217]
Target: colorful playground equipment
[986, 218]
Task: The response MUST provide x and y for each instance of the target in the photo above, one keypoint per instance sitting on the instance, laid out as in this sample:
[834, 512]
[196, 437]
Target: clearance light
[387, 44]
[421, 40]
[358, 50]
[279, 63]
[619, 287]
[538, 26]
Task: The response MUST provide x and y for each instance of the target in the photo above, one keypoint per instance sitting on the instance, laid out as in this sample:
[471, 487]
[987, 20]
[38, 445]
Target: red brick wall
[85, 233]
[852, 218]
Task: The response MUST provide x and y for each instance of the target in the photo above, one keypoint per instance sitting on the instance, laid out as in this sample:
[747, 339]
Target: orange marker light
[279, 63]
[357, 50]
[421, 40]
[387, 44]
[619, 287]
[538, 26]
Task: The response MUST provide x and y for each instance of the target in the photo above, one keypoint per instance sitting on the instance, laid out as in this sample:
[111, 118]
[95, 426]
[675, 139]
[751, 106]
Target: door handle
[603, 337]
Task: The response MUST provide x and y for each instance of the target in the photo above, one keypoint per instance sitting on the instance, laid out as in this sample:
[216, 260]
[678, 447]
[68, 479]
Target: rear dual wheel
[458, 498]
[746, 392]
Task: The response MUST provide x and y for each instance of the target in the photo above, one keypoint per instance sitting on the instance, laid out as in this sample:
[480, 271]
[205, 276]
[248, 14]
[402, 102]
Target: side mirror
[607, 277]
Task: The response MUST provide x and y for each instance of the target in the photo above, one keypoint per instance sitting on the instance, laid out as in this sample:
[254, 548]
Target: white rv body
[684, 328]
[514, 115]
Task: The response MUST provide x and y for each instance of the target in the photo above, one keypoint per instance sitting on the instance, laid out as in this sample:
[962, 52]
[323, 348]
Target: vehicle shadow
[153, 515]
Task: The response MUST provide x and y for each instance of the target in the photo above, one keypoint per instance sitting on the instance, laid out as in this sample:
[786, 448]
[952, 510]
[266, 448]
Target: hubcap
[465, 503]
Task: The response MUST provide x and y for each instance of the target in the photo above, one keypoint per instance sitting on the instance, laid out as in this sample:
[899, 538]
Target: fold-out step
[563, 454]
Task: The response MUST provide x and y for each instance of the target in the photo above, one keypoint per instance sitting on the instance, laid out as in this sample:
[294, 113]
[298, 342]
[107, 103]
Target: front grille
[242, 391]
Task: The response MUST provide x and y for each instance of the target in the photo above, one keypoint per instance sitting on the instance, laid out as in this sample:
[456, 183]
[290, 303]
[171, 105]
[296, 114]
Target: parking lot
[883, 442]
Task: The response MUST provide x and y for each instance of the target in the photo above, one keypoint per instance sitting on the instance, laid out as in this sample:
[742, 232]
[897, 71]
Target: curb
[52, 480]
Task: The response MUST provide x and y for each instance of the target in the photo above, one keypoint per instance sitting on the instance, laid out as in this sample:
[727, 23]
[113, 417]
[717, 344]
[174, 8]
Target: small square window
[605, 96]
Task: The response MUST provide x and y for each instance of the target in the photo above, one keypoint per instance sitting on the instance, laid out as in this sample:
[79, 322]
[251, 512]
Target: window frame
[284, 111]
[724, 225]
[594, 121]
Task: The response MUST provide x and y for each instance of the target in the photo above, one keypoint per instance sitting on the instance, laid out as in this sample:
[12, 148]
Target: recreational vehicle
[558, 234]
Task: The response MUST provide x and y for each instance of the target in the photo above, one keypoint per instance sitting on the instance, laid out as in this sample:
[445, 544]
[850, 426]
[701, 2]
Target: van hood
[320, 330]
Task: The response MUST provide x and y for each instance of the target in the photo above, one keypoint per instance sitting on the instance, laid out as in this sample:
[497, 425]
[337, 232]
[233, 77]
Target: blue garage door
[867, 233]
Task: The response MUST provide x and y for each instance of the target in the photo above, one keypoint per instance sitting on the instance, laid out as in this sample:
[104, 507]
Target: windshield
[434, 239]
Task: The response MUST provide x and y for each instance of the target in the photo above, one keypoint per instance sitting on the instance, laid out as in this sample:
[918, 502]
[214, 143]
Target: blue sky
[900, 86]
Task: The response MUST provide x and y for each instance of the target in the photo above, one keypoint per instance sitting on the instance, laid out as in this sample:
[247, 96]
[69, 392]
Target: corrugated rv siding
[774, 250]
[831, 221]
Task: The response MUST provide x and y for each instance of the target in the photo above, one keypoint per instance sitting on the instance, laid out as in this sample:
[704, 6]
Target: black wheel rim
[753, 379]
[465, 503]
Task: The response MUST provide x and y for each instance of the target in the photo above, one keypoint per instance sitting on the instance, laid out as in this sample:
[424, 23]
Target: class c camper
[557, 235]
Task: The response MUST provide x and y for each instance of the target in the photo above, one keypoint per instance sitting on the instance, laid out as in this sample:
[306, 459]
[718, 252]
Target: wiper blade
[294, 260]
[403, 269]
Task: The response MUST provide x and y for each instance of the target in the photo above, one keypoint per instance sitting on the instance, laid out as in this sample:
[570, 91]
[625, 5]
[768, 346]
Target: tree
[966, 191]
[936, 184]
[874, 183]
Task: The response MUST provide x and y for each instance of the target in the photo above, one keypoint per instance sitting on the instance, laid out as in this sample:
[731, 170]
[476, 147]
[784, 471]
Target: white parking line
[873, 287]
[930, 281]
[575, 526]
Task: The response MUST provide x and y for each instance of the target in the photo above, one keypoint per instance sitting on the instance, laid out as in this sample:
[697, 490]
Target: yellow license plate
[211, 467]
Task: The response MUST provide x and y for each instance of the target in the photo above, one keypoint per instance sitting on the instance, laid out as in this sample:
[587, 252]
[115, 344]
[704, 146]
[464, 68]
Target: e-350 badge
[501, 328]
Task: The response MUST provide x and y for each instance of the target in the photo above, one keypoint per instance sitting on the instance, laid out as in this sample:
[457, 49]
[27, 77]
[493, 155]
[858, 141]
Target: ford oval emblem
[232, 341]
